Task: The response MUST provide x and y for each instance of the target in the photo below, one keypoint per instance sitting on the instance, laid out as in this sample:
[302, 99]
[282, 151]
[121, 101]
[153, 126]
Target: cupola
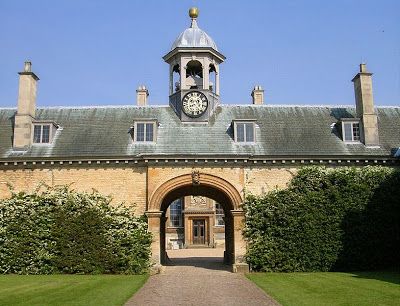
[194, 73]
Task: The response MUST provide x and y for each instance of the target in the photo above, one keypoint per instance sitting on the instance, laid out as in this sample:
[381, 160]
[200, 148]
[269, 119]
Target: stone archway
[197, 183]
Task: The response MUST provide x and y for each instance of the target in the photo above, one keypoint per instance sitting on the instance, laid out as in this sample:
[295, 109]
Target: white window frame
[218, 214]
[145, 122]
[353, 139]
[235, 132]
[181, 215]
[52, 131]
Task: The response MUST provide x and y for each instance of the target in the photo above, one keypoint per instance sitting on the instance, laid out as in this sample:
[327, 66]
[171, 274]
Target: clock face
[194, 104]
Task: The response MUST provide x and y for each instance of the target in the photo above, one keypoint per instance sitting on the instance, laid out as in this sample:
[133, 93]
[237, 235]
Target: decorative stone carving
[195, 177]
[198, 201]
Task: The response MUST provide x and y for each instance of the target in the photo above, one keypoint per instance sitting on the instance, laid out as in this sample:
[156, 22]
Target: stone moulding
[208, 180]
[256, 161]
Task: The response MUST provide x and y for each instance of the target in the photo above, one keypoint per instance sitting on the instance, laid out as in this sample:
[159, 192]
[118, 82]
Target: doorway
[199, 230]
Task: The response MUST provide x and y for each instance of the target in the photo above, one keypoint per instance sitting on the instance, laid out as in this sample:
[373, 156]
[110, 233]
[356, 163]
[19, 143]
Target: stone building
[193, 222]
[196, 153]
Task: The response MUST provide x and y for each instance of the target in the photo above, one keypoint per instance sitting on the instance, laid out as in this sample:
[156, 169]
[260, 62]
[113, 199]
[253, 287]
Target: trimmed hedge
[327, 219]
[63, 231]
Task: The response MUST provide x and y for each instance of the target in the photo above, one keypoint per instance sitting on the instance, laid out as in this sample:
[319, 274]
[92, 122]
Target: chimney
[26, 108]
[258, 95]
[365, 106]
[141, 95]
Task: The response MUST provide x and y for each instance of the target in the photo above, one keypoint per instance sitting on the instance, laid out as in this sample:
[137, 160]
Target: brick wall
[135, 184]
[263, 180]
[123, 184]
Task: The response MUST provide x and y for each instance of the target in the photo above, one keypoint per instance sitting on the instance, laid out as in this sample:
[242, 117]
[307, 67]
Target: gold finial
[193, 12]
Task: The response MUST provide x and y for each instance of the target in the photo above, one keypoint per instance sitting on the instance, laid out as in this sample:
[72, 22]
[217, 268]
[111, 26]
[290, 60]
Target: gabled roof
[281, 131]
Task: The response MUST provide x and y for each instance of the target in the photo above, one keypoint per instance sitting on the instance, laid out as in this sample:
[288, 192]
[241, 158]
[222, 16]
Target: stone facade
[193, 149]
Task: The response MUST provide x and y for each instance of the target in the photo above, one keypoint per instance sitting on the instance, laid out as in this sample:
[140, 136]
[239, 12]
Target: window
[244, 132]
[41, 133]
[351, 131]
[144, 132]
[175, 213]
[219, 215]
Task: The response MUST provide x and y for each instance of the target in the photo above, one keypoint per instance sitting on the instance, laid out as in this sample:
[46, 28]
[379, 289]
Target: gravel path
[200, 280]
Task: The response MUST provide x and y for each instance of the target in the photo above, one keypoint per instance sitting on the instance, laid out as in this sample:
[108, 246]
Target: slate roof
[281, 131]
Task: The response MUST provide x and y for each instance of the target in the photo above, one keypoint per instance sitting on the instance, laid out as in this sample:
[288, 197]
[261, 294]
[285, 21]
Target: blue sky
[302, 52]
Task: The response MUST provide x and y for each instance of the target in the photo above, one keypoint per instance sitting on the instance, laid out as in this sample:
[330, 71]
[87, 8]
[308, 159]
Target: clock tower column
[194, 60]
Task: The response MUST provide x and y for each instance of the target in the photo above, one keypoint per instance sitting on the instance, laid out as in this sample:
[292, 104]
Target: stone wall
[263, 180]
[134, 185]
[123, 184]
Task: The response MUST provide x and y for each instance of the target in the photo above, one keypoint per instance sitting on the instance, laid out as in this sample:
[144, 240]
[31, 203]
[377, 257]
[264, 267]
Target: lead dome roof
[194, 37]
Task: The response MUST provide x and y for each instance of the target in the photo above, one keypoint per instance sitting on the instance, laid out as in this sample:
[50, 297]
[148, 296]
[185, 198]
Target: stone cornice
[247, 161]
[198, 212]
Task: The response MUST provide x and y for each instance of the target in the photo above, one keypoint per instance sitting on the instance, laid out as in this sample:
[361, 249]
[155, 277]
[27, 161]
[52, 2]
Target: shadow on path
[210, 263]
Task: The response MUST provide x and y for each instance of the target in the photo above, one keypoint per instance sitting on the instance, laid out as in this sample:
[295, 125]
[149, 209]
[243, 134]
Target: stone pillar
[141, 95]
[171, 79]
[26, 108]
[154, 227]
[206, 74]
[183, 73]
[365, 106]
[217, 80]
[240, 246]
[258, 95]
[187, 227]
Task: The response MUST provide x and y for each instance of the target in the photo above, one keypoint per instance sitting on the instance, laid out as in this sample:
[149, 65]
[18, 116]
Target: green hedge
[327, 219]
[59, 230]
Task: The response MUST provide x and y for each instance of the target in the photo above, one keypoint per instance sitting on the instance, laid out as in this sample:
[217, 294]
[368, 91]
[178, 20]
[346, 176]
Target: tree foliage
[59, 230]
[327, 219]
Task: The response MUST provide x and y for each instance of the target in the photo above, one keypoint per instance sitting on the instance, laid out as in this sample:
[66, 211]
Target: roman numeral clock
[194, 104]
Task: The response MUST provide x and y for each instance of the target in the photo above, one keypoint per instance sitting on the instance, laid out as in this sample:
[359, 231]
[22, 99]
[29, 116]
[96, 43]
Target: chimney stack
[141, 95]
[258, 95]
[26, 108]
[365, 106]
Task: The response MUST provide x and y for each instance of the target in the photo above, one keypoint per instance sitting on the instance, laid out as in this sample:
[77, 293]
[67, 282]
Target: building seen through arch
[195, 221]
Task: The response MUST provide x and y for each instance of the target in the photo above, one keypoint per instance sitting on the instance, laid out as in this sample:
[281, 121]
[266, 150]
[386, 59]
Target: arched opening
[212, 78]
[176, 78]
[197, 226]
[194, 74]
[197, 185]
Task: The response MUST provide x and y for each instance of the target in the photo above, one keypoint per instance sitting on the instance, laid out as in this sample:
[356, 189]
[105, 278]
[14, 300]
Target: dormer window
[144, 131]
[244, 131]
[351, 131]
[43, 132]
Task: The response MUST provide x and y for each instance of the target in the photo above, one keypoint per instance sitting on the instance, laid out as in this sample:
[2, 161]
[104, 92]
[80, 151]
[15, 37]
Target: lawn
[68, 289]
[329, 288]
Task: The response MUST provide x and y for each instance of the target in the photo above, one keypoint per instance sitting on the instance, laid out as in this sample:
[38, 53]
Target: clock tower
[194, 73]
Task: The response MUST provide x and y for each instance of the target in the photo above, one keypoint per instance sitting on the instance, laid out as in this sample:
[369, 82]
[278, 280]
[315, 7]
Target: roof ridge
[308, 105]
[290, 105]
[100, 106]
[221, 105]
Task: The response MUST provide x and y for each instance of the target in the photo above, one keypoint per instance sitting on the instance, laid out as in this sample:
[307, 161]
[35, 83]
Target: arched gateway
[199, 184]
